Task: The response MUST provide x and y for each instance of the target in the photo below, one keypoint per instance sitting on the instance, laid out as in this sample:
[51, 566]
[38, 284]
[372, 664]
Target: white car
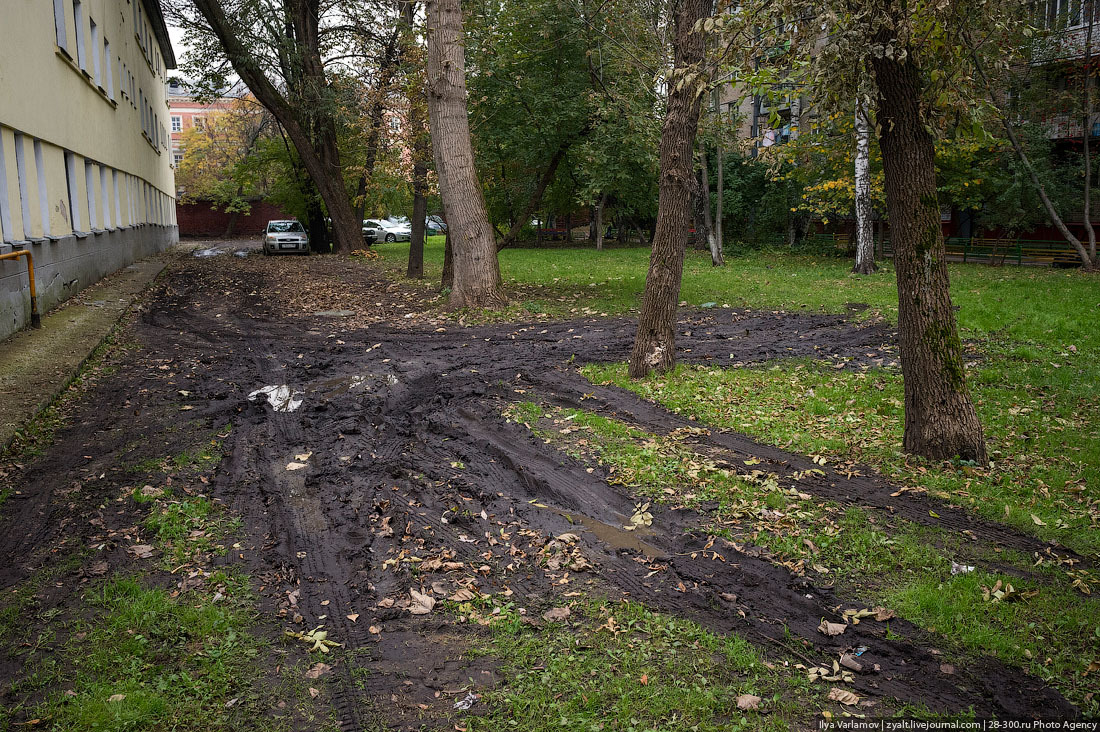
[386, 230]
[285, 237]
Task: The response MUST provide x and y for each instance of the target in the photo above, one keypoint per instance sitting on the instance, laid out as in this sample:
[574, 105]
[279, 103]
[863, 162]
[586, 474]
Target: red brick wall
[199, 219]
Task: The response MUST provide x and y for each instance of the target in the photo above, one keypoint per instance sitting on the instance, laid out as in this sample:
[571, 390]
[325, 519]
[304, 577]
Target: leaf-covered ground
[480, 539]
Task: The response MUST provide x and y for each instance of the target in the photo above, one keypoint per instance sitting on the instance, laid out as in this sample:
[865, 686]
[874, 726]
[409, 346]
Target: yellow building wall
[45, 96]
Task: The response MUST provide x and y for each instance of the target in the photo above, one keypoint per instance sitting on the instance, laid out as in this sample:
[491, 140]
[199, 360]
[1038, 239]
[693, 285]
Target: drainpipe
[36, 319]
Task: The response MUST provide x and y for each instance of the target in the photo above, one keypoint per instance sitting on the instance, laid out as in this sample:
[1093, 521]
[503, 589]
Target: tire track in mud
[406, 434]
[864, 487]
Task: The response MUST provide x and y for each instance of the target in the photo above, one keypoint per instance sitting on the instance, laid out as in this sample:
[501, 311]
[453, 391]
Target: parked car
[387, 230]
[434, 225]
[285, 237]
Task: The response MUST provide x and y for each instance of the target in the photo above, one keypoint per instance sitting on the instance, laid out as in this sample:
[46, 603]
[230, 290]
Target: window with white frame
[118, 201]
[105, 197]
[60, 34]
[108, 61]
[89, 184]
[78, 21]
[70, 182]
[24, 188]
[43, 197]
[177, 158]
[97, 71]
[177, 123]
[7, 232]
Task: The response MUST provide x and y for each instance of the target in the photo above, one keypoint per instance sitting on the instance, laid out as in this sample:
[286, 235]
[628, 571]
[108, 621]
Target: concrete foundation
[64, 267]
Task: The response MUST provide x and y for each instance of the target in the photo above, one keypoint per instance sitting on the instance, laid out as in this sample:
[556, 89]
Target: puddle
[613, 536]
[207, 253]
[337, 386]
[280, 397]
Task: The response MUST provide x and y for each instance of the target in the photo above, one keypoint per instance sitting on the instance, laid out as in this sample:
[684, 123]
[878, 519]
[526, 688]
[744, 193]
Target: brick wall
[199, 219]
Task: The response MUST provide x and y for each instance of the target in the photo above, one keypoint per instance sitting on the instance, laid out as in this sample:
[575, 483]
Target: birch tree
[865, 233]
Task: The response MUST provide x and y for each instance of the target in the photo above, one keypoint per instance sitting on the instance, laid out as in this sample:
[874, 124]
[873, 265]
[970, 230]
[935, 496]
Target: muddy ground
[411, 479]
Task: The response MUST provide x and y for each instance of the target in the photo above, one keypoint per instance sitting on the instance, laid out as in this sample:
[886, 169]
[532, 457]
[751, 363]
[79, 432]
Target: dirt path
[411, 479]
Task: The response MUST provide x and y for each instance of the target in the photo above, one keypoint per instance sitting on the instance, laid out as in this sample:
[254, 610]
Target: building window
[97, 72]
[59, 25]
[24, 190]
[105, 197]
[177, 123]
[70, 181]
[110, 76]
[118, 201]
[177, 159]
[89, 184]
[78, 20]
[6, 228]
[43, 197]
[199, 122]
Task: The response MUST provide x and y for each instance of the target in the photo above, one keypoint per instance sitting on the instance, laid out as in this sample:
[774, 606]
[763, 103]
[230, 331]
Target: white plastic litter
[281, 397]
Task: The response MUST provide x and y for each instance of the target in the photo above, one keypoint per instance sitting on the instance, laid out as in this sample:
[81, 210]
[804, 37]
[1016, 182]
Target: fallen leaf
[462, 595]
[748, 702]
[374, 630]
[295, 466]
[843, 696]
[313, 692]
[946, 668]
[141, 551]
[318, 670]
[832, 628]
[556, 614]
[644, 680]
[116, 697]
[882, 614]
[352, 617]
[421, 604]
[304, 456]
[1038, 521]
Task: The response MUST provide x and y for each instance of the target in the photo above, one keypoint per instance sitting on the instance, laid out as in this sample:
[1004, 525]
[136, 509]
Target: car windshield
[281, 226]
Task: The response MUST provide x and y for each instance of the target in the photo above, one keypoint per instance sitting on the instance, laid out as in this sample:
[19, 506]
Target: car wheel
[390, 238]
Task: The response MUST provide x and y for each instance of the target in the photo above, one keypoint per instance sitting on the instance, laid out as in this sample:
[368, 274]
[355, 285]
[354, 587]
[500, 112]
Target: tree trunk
[448, 279]
[1052, 213]
[231, 224]
[420, 211]
[865, 235]
[940, 420]
[599, 221]
[536, 196]
[1086, 129]
[703, 224]
[418, 134]
[718, 252]
[477, 280]
[322, 165]
[654, 344]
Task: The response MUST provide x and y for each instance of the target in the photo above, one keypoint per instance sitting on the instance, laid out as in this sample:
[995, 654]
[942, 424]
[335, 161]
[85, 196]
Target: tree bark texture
[418, 134]
[940, 420]
[447, 281]
[655, 342]
[865, 232]
[477, 280]
[1086, 128]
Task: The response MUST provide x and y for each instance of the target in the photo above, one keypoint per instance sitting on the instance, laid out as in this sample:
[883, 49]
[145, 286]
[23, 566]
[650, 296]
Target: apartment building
[86, 178]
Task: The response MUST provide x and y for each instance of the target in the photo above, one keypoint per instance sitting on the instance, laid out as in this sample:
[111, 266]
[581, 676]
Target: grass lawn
[1032, 346]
